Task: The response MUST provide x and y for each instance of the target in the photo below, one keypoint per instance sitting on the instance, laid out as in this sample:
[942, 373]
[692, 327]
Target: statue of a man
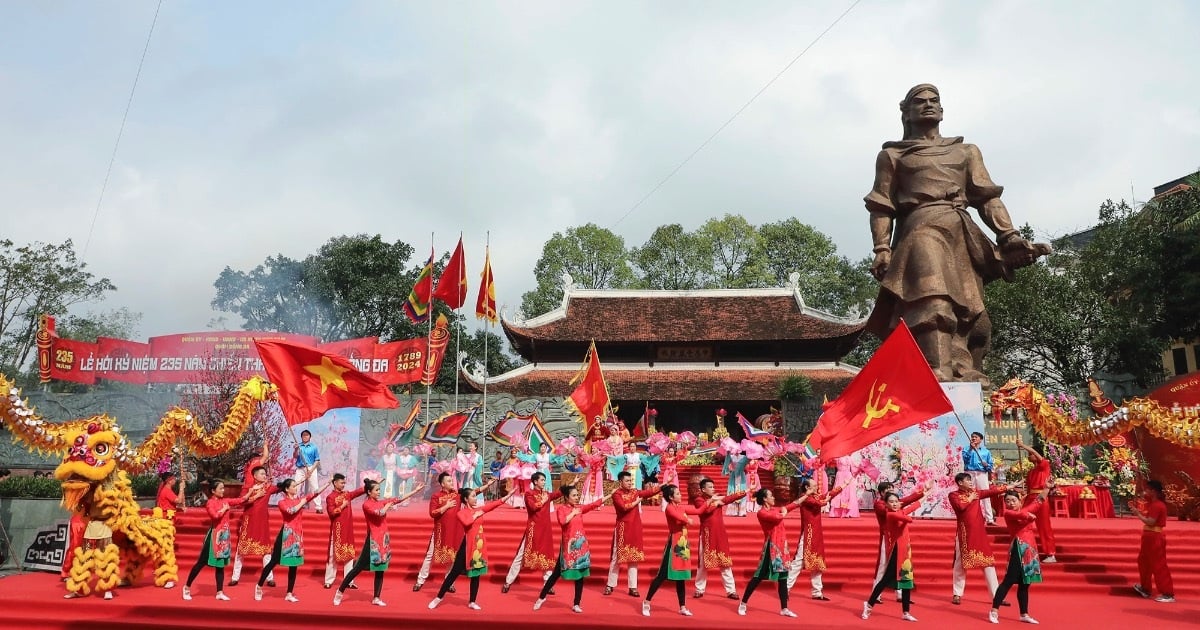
[931, 258]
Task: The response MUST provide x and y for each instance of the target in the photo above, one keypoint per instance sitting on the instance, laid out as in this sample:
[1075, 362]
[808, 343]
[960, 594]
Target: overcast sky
[262, 128]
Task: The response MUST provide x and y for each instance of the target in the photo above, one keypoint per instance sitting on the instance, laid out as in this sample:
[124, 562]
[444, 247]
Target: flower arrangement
[1066, 462]
[1122, 466]
[1065, 404]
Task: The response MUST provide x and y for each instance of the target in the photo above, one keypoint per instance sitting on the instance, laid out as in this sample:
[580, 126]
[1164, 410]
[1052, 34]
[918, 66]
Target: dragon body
[96, 463]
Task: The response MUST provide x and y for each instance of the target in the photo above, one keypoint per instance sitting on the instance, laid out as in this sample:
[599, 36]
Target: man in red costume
[343, 550]
[1036, 482]
[536, 551]
[255, 537]
[972, 545]
[169, 487]
[1152, 557]
[714, 549]
[447, 533]
[627, 547]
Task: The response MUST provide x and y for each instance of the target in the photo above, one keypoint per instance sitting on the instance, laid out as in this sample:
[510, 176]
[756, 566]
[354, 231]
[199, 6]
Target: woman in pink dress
[845, 504]
[753, 483]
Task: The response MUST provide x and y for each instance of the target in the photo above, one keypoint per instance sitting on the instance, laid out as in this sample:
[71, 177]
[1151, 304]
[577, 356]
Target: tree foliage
[353, 286]
[34, 279]
[726, 252]
[119, 323]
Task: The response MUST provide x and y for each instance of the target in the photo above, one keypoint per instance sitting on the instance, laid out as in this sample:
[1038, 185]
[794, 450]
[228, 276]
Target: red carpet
[1088, 588]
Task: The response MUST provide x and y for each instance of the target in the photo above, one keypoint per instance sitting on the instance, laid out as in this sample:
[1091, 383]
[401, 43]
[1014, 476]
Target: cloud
[270, 128]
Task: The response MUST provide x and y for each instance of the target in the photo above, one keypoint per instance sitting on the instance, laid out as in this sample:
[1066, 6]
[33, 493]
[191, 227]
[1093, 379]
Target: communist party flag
[485, 304]
[312, 382]
[452, 286]
[590, 399]
[417, 306]
[895, 389]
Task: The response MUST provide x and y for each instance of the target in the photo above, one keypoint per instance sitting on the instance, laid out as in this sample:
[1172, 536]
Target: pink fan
[687, 439]
[423, 449]
[443, 465]
[728, 447]
[753, 450]
[869, 469]
[527, 471]
[658, 443]
[511, 471]
[566, 445]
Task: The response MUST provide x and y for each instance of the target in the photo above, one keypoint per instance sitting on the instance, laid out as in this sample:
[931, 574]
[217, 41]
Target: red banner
[73, 361]
[188, 357]
[122, 360]
[399, 362]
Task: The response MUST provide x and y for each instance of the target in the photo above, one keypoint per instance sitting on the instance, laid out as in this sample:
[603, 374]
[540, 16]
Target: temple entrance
[697, 416]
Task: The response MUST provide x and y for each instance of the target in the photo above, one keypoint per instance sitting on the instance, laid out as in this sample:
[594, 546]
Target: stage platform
[1089, 587]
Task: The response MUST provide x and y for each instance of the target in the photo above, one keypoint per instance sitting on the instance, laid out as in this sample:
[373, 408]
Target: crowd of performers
[457, 541]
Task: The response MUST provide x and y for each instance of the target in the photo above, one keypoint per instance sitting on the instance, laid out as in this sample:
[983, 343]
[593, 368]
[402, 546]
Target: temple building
[684, 354]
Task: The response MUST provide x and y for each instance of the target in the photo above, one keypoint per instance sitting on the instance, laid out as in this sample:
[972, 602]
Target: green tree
[736, 250]
[827, 281]
[672, 259]
[34, 279]
[120, 323]
[593, 256]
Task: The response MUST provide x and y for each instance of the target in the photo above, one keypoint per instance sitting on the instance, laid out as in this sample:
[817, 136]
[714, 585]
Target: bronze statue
[931, 258]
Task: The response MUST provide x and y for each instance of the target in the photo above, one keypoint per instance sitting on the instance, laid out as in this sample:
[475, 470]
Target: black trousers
[276, 552]
[889, 575]
[202, 561]
[758, 578]
[1014, 575]
[458, 568]
[662, 577]
[362, 564]
[554, 575]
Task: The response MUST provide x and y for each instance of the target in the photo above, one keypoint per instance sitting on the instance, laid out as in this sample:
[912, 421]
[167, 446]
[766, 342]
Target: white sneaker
[434, 604]
[257, 593]
[645, 608]
[378, 602]
[290, 598]
[108, 595]
[1141, 591]
[537, 604]
[994, 616]
[787, 613]
[742, 609]
[169, 584]
[187, 594]
[908, 617]
[684, 611]
[866, 610]
[1049, 560]
[577, 609]
[1028, 619]
[337, 598]
[1165, 599]
[221, 597]
[474, 606]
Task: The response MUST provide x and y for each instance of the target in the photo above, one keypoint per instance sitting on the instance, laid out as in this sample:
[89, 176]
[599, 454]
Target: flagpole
[487, 326]
[429, 332]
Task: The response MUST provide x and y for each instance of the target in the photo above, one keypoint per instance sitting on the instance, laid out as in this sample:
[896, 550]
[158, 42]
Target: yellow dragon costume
[97, 462]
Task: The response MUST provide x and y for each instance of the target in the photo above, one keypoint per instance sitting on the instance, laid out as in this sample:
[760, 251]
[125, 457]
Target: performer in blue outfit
[977, 462]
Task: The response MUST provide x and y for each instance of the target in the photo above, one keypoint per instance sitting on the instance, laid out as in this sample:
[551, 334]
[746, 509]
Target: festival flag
[447, 428]
[452, 286]
[512, 429]
[312, 382]
[417, 306]
[590, 399]
[413, 414]
[895, 389]
[485, 303]
[754, 433]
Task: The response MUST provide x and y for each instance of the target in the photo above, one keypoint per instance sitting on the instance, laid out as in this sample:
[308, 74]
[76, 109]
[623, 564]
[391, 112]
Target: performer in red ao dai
[775, 558]
[376, 552]
[254, 533]
[1037, 484]
[881, 512]
[1023, 566]
[972, 545]
[677, 556]
[899, 571]
[627, 546]
[471, 558]
[1152, 556]
[537, 544]
[810, 550]
[289, 542]
[168, 493]
[714, 552]
[216, 549]
[575, 555]
[342, 547]
[447, 531]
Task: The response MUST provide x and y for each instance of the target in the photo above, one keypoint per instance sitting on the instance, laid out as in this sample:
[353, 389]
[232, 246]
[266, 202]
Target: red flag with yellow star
[312, 382]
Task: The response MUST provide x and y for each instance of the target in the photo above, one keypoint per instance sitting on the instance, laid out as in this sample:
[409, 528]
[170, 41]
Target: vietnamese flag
[895, 389]
[590, 399]
[452, 286]
[312, 382]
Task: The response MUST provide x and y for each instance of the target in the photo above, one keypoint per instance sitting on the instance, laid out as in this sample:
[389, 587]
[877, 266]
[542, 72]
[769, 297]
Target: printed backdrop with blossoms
[931, 450]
